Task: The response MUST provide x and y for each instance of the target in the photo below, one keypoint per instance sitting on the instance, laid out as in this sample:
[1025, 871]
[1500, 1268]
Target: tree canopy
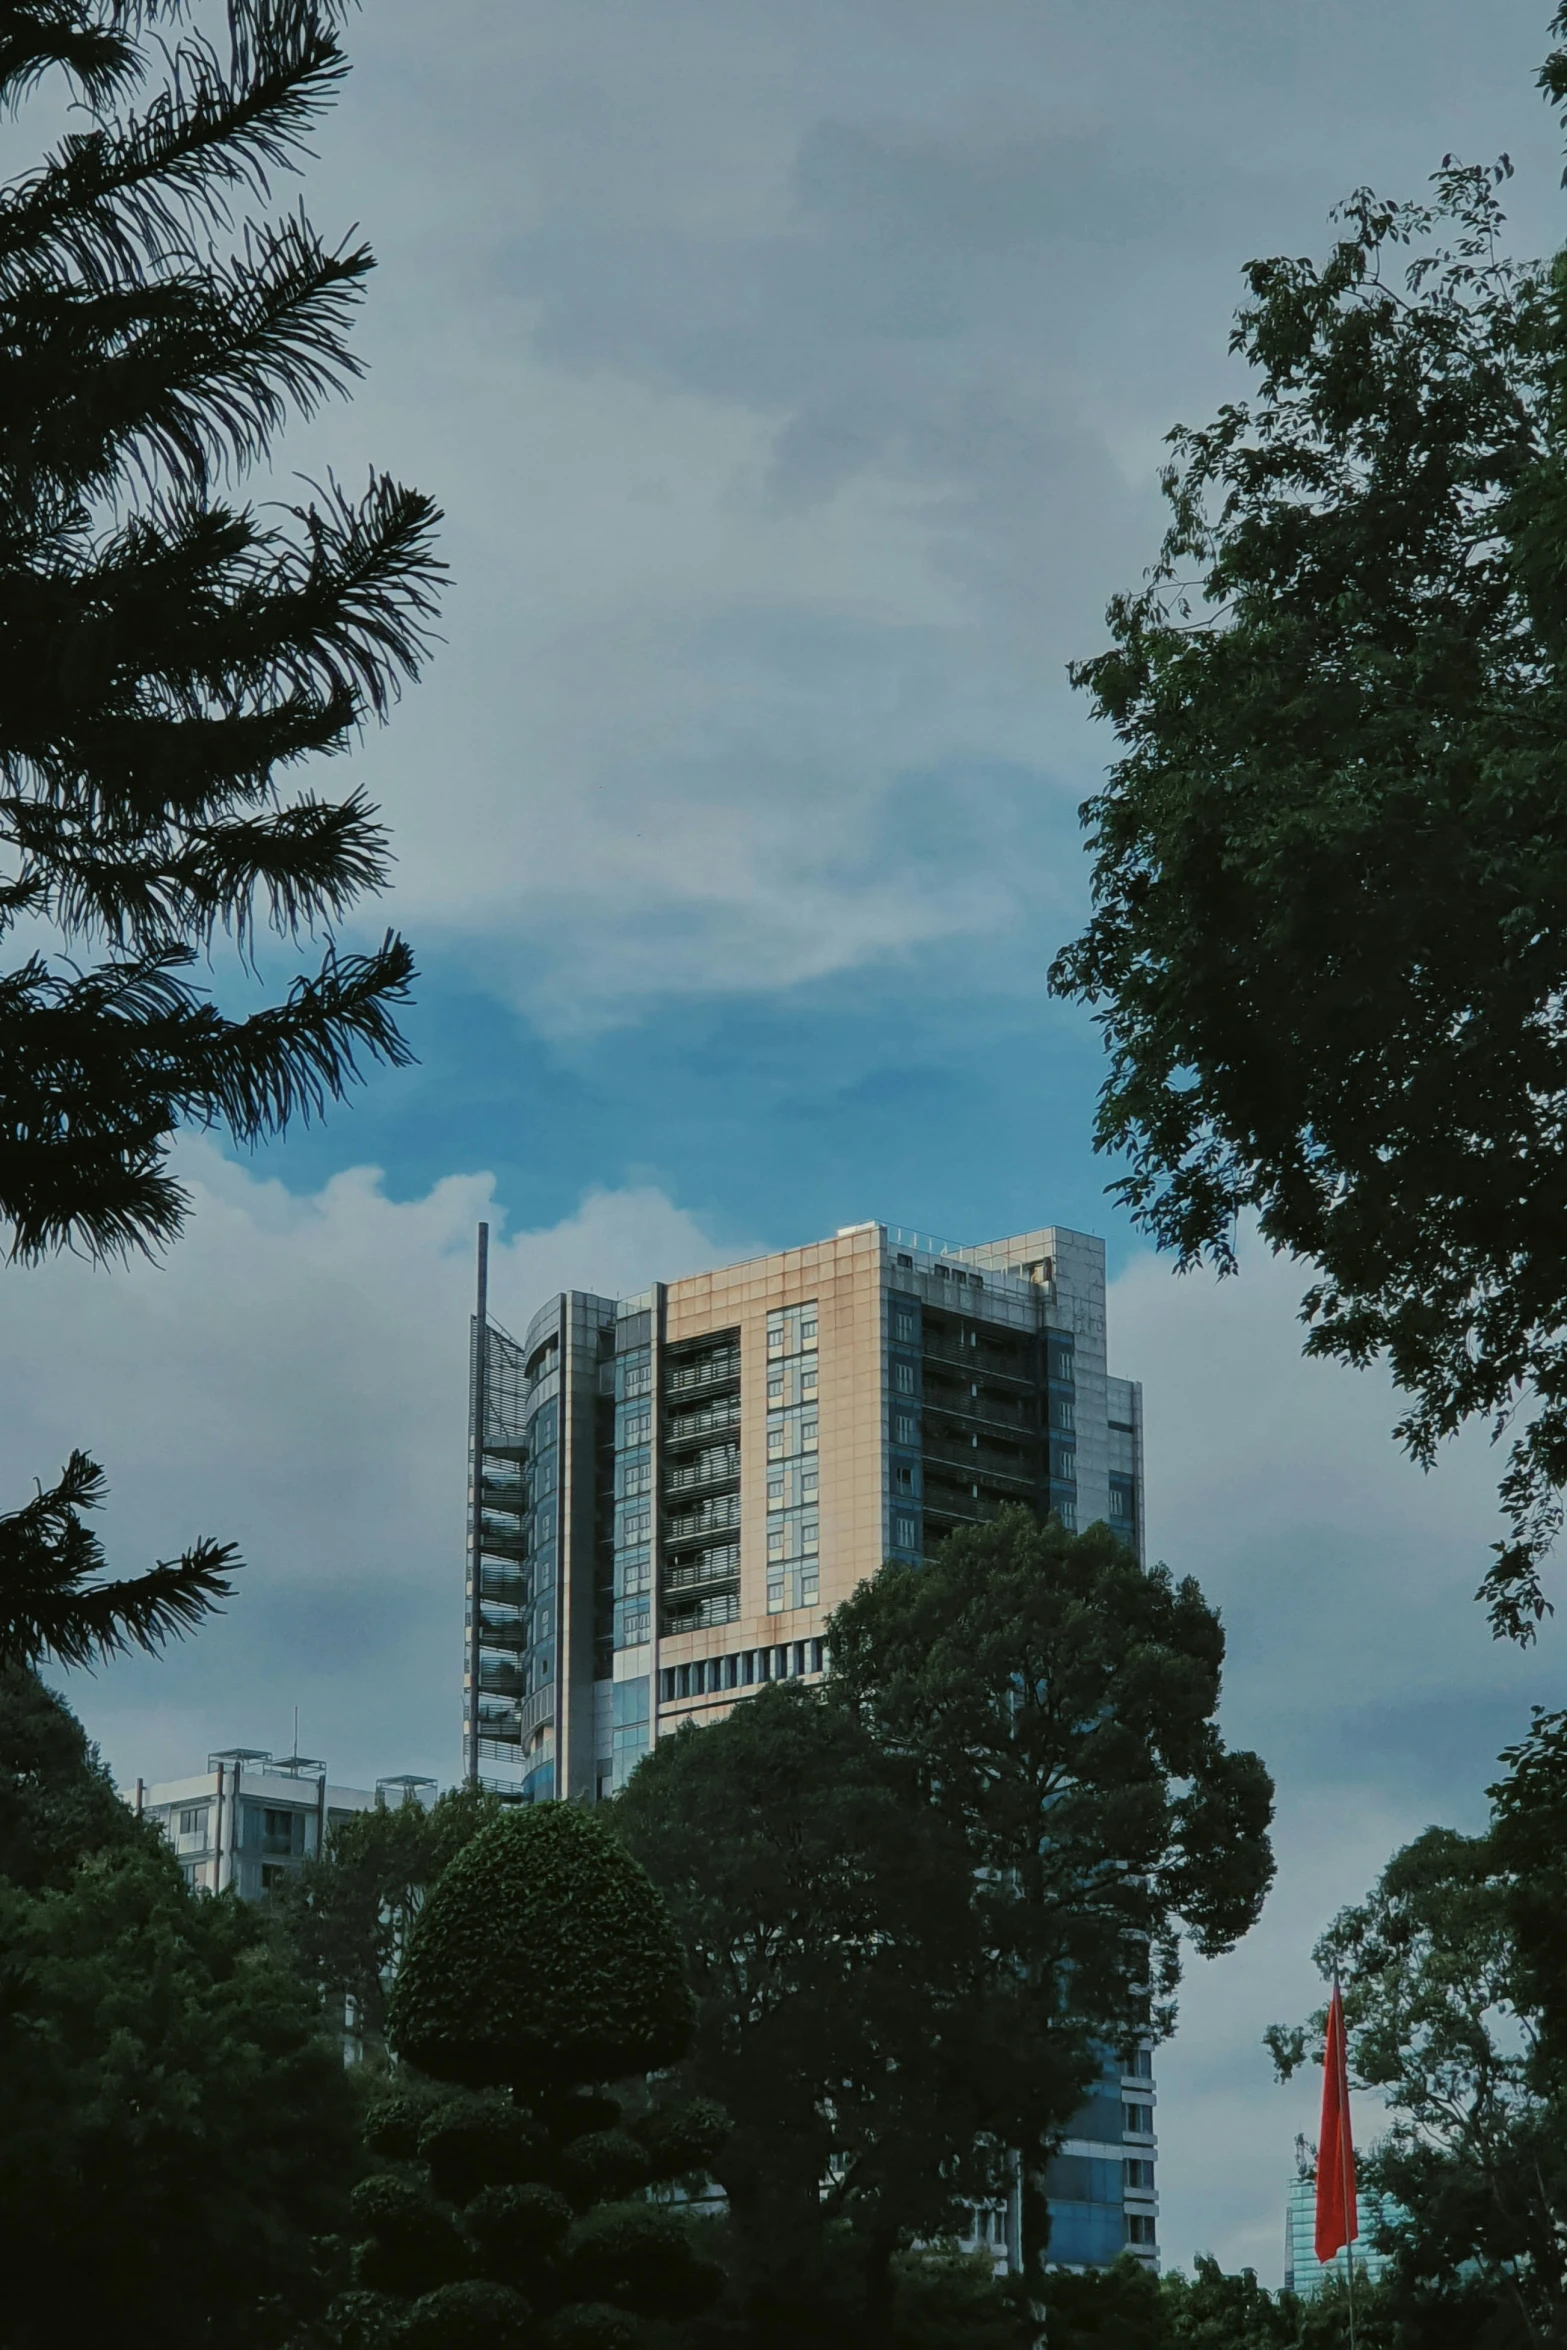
[177, 2129]
[873, 2060]
[169, 655]
[1452, 1979]
[1329, 940]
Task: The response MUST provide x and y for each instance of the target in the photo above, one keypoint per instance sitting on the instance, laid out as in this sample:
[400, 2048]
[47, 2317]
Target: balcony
[709, 1371]
[719, 1466]
[714, 1517]
[701, 1615]
[718, 1569]
[688, 1427]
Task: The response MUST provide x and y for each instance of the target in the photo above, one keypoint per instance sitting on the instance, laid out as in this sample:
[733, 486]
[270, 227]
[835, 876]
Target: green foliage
[54, 1600]
[640, 2257]
[514, 2229]
[470, 2142]
[176, 2127]
[1055, 1702]
[1452, 2018]
[472, 2315]
[541, 1962]
[1329, 943]
[57, 1801]
[346, 1915]
[168, 655]
[1125, 2307]
[852, 2021]
[543, 1957]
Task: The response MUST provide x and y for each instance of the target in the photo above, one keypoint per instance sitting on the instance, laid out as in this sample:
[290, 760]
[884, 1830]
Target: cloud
[1358, 1664]
[293, 1378]
[794, 383]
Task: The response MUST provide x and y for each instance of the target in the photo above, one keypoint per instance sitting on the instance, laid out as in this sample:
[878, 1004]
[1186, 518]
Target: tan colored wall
[844, 1277]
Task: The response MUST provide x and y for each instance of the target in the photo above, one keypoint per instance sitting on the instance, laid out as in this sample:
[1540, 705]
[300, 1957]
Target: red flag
[1338, 2221]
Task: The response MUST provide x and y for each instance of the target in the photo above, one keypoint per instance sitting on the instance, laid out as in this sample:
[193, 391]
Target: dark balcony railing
[718, 1370]
[705, 1572]
[713, 1517]
[709, 1468]
[688, 1427]
[722, 1608]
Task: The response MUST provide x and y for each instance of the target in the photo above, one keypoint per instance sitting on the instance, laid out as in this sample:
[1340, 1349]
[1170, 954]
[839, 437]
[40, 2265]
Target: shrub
[516, 2229]
[474, 2315]
[475, 2142]
[543, 1958]
[641, 2257]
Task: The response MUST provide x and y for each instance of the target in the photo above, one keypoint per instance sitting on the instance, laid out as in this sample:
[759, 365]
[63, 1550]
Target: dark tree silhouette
[168, 653]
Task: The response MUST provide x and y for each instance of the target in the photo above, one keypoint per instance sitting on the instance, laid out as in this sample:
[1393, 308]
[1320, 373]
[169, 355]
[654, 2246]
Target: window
[637, 1477]
[775, 1442]
[637, 1379]
[807, 1435]
[1139, 2228]
[808, 1333]
[903, 1533]
[1139, 2063]
[903, 1378]
[774, 1603]
[905, 1480]
[1063, 1412]
[1139, 2174]
[638, 1429]
[903, 1329]
[903, 1430]
[808, 1380]
[1120, 1501]
[775, 1493]
[775, 1542]
[1139, 2120]
[775, 1386]
[193, 1822]
[808, 1485]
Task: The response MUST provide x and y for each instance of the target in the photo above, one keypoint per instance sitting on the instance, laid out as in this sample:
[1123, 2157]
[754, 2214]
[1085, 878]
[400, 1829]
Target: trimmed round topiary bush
[515, 2229]
[641, 2257]
[592, 2325]
[603, 2167]
[681, 2139]
[543, 1957]
[473, 2142]
[411, 2244]
[475, 2315]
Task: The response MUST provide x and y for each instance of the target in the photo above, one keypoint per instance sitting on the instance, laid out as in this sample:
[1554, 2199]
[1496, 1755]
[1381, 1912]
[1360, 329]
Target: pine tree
[168, 653]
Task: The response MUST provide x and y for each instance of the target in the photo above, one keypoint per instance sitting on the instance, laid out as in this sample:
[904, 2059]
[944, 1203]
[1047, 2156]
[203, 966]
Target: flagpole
[1351, 2200]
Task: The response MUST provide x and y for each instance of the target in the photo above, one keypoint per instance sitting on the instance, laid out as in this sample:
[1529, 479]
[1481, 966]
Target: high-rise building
[1304, 2273]
[670, 1493]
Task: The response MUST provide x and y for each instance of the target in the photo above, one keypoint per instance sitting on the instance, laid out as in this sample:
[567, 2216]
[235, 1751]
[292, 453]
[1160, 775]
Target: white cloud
[794, 383]
[293, 1378]
[1359, 1666]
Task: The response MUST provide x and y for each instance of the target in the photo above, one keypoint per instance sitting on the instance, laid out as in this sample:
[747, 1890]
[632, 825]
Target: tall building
[670, 1493]
[250, 1820]
[1304, 2273]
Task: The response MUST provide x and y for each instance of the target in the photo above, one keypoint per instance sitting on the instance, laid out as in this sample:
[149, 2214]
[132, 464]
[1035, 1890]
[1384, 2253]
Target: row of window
[745, 1669]
[793, 1437]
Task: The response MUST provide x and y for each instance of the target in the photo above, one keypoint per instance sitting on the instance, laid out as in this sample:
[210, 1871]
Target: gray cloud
[848, 332]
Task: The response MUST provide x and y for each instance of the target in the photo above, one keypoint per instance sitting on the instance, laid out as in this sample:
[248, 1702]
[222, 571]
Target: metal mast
[477, 1384]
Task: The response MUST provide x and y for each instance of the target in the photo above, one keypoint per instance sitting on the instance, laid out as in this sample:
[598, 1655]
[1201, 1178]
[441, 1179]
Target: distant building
[670, 1493]
[1304, 2273]
[250, 1820]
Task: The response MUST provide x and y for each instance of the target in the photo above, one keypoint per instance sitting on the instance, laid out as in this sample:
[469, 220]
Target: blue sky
[794, 381]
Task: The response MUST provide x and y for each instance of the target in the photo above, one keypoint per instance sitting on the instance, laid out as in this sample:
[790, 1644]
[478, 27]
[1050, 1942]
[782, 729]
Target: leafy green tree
[1441, 2023]
[851, 2020]
[1056, 1704]
[1126, 2308]
[167, 656]
[57, 1801]
[176, 2128]
[1329, 940]
[513, 2189]
[346, 1916]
